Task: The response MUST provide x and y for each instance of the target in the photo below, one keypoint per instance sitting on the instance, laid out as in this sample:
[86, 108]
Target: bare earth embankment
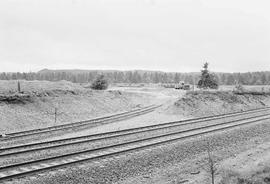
[235, 151]
[241, 155]
[205, 103]
[35, 106]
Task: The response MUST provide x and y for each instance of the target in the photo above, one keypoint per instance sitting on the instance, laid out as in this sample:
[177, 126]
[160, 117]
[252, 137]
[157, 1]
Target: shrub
[100, 83]
[239, 88]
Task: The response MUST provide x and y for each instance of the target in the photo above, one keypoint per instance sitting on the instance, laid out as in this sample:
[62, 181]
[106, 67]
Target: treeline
[84, 76]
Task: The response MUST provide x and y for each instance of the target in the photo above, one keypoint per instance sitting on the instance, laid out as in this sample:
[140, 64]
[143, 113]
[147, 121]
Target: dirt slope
[35, 107]
[209, 103]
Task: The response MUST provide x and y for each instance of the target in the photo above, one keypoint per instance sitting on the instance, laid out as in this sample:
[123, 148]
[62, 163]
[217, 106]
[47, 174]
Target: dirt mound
[203, 103]
[35, 106]
[10, 86]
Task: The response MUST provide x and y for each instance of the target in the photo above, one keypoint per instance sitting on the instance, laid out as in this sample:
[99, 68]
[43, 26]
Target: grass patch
[251, 93]
[236, 92]
[261, 176]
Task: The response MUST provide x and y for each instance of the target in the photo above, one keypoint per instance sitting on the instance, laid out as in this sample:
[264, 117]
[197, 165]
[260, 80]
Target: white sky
[167, 35]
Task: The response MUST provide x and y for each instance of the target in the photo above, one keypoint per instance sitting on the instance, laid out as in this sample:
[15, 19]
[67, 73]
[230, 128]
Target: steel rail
[92, 122]
[132, 130]
[74, 123]
[76, 157]
[126, 132]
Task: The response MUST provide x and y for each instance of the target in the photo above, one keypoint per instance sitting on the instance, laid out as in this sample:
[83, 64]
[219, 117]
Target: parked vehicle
[182, 86]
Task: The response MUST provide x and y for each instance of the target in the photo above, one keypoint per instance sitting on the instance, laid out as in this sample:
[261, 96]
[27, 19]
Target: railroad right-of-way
[117, 142]
[37, 134]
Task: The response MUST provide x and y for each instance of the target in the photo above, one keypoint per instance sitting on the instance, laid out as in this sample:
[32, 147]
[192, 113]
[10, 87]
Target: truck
[182, 85]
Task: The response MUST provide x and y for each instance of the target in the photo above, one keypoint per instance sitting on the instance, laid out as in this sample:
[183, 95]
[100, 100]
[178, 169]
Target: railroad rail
[38, 146]
[31, 167]
[81, 124]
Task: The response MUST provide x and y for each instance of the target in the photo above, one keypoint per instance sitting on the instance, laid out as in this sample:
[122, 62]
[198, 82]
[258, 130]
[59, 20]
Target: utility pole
[19, 86]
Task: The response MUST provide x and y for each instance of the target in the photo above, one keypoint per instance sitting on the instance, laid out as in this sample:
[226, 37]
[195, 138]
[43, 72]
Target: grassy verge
[261, 176]
[251, 93]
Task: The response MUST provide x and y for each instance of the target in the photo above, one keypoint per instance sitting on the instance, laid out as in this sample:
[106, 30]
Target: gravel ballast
[110, 141]
[146, 166]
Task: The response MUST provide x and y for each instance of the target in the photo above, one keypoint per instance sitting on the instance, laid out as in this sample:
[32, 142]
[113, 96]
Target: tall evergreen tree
[207, 79]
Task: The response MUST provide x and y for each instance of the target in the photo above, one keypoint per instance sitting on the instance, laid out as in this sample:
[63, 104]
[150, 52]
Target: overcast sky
[167, 35]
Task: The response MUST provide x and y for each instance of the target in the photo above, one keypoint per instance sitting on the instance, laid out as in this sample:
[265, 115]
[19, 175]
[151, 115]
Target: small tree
[207, 80]
[212, 168]
[100, 83]
[211, 164]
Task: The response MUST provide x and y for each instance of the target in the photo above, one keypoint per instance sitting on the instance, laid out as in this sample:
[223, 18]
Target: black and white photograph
[134, 92]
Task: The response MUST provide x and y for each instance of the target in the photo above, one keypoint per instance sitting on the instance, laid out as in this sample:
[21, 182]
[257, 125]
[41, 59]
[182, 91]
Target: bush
[239, 88]
[100, 83]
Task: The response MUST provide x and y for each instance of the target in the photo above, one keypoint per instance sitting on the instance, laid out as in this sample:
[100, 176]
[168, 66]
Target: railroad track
[38, 146]
[31, 167]
[80, 124]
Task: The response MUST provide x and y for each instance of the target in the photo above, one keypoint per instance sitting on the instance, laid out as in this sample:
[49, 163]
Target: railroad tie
[25, 169]
[35, 167]
[2, 175]
[84, 156]
[45, 165]
[14, 172]
[54, 163]
[79, 158]
[64, 161]
[71, 160]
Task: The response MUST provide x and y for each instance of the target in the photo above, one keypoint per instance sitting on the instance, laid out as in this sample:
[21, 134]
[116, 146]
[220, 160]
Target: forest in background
[138, 76]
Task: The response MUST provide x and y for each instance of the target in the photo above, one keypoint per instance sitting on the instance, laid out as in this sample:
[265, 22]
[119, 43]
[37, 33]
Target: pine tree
[207, 80]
